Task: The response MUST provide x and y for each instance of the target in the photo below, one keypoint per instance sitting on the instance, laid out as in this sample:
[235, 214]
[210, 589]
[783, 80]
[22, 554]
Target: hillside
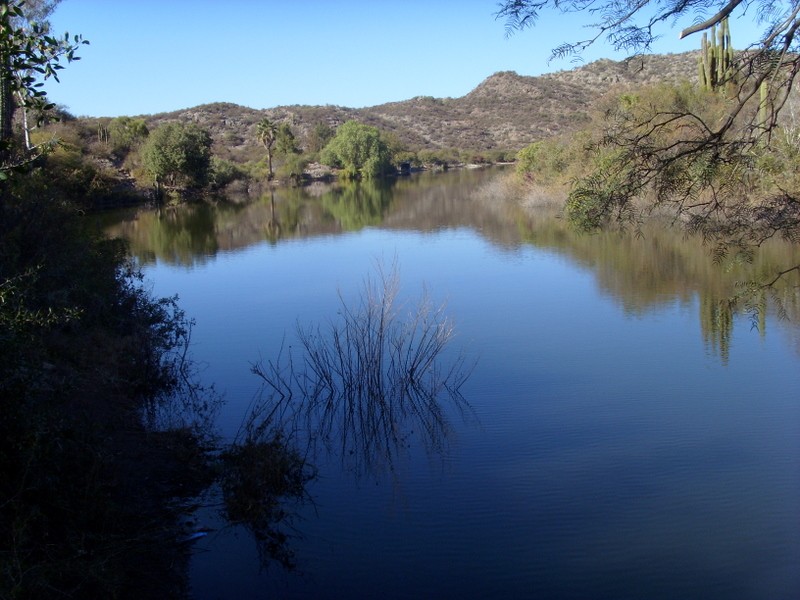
[506, 111]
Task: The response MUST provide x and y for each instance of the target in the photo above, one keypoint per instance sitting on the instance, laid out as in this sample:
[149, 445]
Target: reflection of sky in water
[615, 455]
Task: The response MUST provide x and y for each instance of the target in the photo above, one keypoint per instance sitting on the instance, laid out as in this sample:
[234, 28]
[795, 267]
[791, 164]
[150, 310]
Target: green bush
[223, 172]
[545, 161]
[293, 167]
[126, 134]
[83, 351]
[178, 155]
[359, 150]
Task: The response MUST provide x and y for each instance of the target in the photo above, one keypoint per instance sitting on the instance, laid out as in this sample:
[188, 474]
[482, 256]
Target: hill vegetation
[507, 111]
[502, 115]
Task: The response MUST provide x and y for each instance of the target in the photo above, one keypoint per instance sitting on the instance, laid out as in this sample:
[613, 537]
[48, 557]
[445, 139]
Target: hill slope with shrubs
[506, 111]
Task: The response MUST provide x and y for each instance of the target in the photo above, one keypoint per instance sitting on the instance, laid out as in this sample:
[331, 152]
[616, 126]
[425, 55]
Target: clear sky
[149, 56]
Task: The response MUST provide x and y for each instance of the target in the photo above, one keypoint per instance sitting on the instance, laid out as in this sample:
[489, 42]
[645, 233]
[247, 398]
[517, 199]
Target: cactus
[716, 57]
[103, 134]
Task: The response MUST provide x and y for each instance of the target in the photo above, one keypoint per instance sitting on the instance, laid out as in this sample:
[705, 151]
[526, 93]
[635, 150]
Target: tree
[28, 56]
[178, 154]
[319, 136]
[716, 170]
[36, 12]
[359, 150]
[285, 142]
[267, 133]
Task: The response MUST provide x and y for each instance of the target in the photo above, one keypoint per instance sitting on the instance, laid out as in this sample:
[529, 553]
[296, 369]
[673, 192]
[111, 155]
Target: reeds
[369, 382]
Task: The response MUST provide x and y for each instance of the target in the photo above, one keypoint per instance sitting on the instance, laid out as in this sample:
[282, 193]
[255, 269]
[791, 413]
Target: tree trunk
[269, 160]
[6, 109]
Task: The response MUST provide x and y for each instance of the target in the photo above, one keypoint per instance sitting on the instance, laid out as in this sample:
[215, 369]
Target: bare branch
[708, 23]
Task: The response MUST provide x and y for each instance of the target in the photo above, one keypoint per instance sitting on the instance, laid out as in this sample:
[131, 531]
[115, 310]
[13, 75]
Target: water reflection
[263, 482]
[660, 265]
[186, 235]
[641, 272]
[356, 205]
[594, 459]
[368, 385]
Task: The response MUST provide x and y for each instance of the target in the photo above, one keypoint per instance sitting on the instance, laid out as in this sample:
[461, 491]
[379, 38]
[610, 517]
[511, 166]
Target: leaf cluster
[359, 150]
[28, 57]
[178, 154]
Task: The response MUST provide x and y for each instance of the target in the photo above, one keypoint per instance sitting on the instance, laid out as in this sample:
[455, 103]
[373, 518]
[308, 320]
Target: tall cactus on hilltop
[715, 64]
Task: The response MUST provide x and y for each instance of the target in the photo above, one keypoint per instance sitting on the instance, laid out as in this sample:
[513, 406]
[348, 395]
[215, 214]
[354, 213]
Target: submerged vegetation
[365, 384]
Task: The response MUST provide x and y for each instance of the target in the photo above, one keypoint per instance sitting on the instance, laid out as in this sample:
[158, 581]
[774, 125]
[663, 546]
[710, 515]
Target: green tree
[28, 56]
[678, 152]
[267, 134]
[177, 154]
[359, 150]
[285, 142]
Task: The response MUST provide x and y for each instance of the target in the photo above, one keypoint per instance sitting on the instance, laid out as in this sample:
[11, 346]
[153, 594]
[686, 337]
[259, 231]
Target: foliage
[694, 153]
[267, 134]
[177, 154]
[543, 159]
[260, 473]
[84, 349]
[127, 133]
[28, 57]
[318, 137]
[223, 172]
[285, 143]
[359, 150]
[293, 167]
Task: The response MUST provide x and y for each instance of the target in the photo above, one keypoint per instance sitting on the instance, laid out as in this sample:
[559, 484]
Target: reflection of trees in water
[359, 204]
[367, 385]
[661, 264]
[262, 479]
[183, 235]
[421, 202]
[716, 324]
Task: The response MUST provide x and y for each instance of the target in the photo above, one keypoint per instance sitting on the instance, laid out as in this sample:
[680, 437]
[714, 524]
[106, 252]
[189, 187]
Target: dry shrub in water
[368, 382]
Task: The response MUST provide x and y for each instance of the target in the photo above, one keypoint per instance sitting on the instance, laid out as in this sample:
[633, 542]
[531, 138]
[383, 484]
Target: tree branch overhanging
[710, 22]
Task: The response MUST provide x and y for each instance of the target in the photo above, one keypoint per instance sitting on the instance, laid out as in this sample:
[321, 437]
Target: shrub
[177, 154]
[359, 150]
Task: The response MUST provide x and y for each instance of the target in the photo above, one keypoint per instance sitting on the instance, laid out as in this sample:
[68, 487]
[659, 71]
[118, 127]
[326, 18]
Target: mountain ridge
[505, 111]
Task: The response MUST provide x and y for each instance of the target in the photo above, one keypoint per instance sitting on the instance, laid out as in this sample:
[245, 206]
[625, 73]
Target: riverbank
[90, 495]
[127, 192]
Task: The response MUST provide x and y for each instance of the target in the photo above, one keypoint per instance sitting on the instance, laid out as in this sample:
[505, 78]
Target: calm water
[628, 439]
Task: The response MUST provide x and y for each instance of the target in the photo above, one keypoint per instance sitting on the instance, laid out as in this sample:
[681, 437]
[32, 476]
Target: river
[626, 435]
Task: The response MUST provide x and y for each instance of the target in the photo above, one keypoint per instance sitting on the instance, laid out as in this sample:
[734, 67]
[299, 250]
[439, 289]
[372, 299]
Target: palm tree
[267, 133]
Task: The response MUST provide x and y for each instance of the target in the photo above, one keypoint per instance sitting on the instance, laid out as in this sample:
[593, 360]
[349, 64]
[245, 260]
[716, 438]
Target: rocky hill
[507, 111]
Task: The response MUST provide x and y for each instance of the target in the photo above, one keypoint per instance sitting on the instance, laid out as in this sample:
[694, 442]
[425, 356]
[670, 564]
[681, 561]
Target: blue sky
[150, 56]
